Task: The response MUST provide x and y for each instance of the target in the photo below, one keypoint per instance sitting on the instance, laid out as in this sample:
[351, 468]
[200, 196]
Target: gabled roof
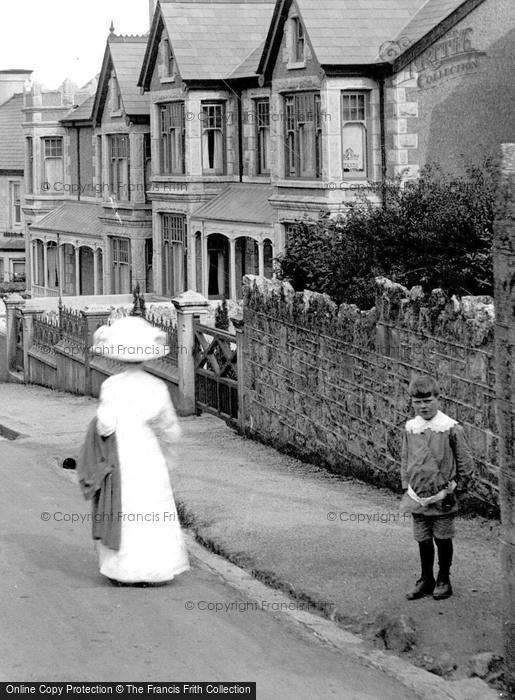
[12, 145]
[72, 217]
[342, 32]
[124, 55]
[434, 19]
[209, 39]
[240, 202]
[82, 112]
[429, 15]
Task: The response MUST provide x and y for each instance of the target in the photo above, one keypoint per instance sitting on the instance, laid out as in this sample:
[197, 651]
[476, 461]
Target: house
[399, 84]
[12, 163]
[212, 221]
[94, 235]
[48, 183]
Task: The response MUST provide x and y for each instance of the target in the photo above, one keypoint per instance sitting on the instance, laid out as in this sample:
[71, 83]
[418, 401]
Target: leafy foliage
[434, 232]
[222, 316]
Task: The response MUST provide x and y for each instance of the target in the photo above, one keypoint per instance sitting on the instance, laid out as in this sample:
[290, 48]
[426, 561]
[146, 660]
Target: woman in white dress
[136, 407]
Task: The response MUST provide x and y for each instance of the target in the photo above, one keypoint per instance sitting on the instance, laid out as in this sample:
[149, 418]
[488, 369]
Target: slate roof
[347, 32]
[80, 112]
[240, 202]
[210, 40]
[12, 145]
[429, 16]
[72, 217]
[248, 67]
[127, 55]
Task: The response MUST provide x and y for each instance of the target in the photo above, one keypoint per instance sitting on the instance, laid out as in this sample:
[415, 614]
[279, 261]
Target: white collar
[439, 423]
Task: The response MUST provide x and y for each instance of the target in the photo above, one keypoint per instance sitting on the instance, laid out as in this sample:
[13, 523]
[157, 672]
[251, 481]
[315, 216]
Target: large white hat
[130, 339]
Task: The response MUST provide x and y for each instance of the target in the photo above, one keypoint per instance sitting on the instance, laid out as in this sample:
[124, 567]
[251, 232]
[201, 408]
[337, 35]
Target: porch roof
[245, 202]
[72, 217]
[12, 243]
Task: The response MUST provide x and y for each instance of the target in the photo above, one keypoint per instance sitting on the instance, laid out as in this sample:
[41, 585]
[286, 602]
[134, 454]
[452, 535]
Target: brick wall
[330, 384]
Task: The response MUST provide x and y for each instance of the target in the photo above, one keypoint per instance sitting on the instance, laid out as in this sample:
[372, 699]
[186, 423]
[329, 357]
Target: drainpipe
[78, 162]
[383, 140]
[240, 135]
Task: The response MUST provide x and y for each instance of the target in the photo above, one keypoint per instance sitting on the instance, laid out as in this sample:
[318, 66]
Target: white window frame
[352, 114]
[15, 212]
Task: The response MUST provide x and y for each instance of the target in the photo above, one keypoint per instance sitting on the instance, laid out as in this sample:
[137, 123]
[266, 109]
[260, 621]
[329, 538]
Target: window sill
[117, 113]
[293, 182]
[296, 65]
[167, 79]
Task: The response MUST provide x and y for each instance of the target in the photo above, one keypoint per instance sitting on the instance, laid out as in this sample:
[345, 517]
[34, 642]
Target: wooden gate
[216, 375]
[18, 359]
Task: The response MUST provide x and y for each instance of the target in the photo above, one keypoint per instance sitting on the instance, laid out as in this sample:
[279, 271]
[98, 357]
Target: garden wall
[330, 384]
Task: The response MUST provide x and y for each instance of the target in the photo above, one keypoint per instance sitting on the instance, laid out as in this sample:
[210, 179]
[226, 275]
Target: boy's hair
[423, 387]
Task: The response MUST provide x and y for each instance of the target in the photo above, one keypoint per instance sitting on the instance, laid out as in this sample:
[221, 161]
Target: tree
[434, 232]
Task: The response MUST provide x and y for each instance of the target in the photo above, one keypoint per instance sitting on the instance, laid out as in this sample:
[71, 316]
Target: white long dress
[137, 407]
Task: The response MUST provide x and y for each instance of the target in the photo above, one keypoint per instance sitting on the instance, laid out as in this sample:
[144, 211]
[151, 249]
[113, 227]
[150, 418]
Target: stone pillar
[205, 267]
[45, 266]
[12, 303]
[504, 276]
[232, 268]
[261, 259]
[28, 332]
[188, 305]
[77, 271]
[93, 320]
[240, 359]
[95, 271]
[138, 262]
[61, 261]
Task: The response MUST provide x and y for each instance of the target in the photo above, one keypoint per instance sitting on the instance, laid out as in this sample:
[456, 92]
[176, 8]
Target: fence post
[12, 303]
[504, 274]
[239, 327]
[28, 334]
[92, 319]
[188, 305]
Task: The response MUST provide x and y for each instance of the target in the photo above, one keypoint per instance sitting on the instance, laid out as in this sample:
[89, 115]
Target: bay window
[303, 137]
[355, 134]
[172, 138]
[119, 163]
[213, 138]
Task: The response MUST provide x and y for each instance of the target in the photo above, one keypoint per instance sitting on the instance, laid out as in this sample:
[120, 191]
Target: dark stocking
[427, 557]
[445, 550]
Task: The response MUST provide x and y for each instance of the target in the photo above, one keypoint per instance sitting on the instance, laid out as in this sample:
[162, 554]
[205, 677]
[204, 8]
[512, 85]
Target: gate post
[238, 324]
[28, 333]
[12, 303]
[188, 305]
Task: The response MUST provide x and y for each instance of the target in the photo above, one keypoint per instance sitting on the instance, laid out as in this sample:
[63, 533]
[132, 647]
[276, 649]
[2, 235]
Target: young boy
[435, 458]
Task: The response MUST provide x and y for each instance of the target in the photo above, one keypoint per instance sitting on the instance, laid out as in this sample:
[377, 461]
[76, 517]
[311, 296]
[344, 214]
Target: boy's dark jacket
[99, 478]
[434, 453]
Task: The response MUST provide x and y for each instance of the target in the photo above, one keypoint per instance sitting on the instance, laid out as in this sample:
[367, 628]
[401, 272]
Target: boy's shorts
[425, 527]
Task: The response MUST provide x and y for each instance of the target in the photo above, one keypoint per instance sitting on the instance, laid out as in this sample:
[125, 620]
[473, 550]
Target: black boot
[426, 583]
[443, 584]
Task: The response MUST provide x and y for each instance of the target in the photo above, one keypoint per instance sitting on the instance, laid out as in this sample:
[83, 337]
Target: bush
[434, 232]
[222, 316]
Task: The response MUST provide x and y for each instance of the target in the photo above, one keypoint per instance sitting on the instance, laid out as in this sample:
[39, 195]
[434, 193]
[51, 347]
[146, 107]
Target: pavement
[336, 547]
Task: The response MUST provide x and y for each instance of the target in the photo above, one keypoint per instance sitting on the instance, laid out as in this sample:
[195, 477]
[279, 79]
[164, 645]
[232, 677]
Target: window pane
[353, 140]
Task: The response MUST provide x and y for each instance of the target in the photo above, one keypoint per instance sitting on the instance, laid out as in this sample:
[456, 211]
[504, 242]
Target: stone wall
[330, 384]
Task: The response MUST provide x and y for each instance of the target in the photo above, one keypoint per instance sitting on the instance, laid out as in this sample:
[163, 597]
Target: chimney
[11, 82]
